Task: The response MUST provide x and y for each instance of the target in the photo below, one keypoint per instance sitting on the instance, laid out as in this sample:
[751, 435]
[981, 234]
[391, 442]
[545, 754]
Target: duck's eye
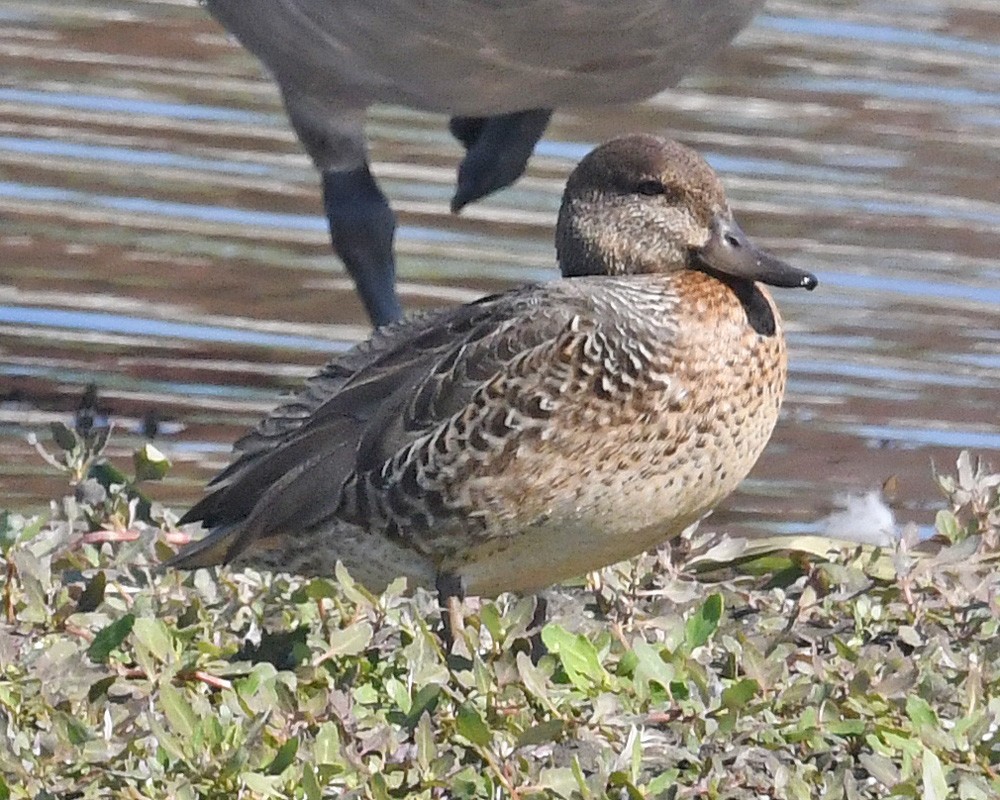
[651, 187]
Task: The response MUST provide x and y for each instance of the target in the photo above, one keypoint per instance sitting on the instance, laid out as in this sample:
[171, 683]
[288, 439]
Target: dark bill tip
[731, 252]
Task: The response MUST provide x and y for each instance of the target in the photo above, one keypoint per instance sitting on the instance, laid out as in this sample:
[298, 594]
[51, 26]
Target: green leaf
[846, 727]
[150, 464]
[906, 744]
[470, 725]
[327, 747]
[321, 588]
[581, 779]
[880, 768]
[973, 787]
[650, 667]
[178, 711]
[543, 733]
[736, 696]
[520, 617]
[425, 699]
[108, 475]
[947, 524]
[703, 623]
[153, 635]
[110, 637]
[378, 787]
[399, 694]
[662, 782]
[920, 712]
[843, 650]
[423, 738]
[64, 438]
[620, 781]
[72, 730]
[284, 757]
[636, 741]
[935, 784]
[351, 640]
[534, 680]
[310, 783]
[165, 740]
[578, 657]
[350, 588]
[679, 690]
[261, 784]
[560, 781]
[367, 695]
[490, 618]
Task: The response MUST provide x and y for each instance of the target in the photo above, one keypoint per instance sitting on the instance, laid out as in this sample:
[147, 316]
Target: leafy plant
[860, 673]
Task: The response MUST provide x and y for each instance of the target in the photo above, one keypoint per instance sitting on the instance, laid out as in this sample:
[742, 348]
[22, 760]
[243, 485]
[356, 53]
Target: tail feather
[212, 551]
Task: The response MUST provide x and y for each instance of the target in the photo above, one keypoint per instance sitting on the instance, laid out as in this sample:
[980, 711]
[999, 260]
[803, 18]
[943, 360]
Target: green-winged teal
[538, 434]
[497, 67]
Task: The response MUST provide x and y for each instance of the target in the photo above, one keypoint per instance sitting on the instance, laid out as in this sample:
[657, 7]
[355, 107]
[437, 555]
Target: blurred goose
[497, 67]
[537, 434]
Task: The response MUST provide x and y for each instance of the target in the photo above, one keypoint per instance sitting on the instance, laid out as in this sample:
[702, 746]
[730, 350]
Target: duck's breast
[658, 423]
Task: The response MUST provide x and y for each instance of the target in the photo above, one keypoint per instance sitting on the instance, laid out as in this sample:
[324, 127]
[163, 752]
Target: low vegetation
[723, 669]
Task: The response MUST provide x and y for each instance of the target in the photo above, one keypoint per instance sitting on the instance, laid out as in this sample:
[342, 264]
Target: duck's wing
[284, 421]
[362, 411]
[261, 452]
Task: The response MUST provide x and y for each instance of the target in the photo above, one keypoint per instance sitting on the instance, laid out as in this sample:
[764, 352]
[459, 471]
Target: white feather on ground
[862, 518]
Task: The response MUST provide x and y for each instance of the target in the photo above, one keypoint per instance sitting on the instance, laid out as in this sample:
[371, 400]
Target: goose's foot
[362, 227]
[498, 149]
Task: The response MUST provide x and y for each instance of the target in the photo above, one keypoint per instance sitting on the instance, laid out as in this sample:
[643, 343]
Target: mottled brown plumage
[531, 436]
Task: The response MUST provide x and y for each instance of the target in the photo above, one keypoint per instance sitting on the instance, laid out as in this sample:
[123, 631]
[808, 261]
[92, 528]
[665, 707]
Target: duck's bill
[731, 252]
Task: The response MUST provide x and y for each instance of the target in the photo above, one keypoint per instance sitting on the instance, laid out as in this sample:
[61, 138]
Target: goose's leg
[497, 151]
[451, 593]
[362, 225]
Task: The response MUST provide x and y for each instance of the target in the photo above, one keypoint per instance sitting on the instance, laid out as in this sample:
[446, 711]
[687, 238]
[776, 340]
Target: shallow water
[161, 234]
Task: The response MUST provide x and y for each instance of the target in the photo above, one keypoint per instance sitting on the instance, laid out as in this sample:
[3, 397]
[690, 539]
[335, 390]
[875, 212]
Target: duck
[535, 435]
[497, 68]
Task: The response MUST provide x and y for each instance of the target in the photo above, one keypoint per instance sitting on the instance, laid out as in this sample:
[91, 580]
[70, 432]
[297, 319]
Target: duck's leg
[451, 593]
[498, 149]
[362, 225]
[538, 648]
